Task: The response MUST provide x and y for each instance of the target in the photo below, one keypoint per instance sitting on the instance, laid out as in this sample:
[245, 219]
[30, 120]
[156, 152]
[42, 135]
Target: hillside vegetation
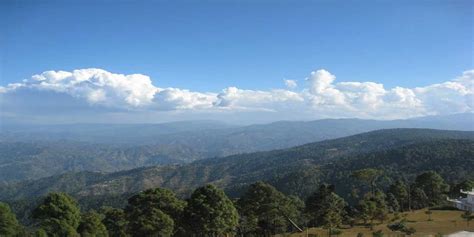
[32, 152]
[398, 152]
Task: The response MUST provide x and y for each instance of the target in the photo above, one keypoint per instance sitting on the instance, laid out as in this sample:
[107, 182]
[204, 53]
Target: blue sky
[359, 58]
[208, 45]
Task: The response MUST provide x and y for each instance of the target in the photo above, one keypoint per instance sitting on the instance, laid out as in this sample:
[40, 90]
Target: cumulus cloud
[96, 86]
[174, 98]
[235, 98]
[323, 96]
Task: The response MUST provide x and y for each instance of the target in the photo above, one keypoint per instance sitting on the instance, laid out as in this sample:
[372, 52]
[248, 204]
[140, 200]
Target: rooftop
[468, 192]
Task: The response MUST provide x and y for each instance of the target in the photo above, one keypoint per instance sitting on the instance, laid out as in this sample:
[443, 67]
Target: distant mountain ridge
[297, 170]
[134, 134]
[35, 152]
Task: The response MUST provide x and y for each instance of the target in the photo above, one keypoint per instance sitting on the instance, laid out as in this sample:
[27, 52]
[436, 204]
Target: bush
[377, 233]
[396, 216]
[409, 231]
[397, 226]
[401, 226]
[443, 208]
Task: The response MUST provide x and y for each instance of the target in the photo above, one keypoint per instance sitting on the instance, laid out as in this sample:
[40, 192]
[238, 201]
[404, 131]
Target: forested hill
[398, 152]
[32, 152]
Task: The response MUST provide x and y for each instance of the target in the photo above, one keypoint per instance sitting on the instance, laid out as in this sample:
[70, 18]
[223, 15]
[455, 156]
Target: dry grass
[444, 222]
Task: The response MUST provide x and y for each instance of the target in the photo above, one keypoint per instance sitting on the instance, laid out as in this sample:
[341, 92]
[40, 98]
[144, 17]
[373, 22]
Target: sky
[152, 61]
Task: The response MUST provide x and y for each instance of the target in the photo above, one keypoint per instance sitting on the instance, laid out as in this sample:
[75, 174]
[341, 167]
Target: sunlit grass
[444, 222]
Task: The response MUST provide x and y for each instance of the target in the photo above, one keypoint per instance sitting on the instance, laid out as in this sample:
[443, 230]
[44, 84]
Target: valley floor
[444, 222]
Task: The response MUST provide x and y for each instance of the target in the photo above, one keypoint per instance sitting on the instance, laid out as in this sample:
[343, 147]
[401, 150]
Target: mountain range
[399, 153]
[30, 152]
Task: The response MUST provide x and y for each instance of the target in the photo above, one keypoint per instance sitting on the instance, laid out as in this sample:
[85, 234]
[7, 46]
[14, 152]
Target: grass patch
[442, 222]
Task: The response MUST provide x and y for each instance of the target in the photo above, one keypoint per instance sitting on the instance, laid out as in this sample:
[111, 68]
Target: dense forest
[399, 153]
[361, 177]
[261, 210]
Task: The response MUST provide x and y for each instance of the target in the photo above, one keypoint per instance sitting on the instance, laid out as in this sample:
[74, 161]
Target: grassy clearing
[444, 222]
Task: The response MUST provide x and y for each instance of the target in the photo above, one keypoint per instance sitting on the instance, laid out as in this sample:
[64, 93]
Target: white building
[461, 234]
[467, 203]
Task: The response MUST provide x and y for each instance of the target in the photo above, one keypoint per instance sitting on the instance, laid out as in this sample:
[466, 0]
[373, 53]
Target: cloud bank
[96, 91]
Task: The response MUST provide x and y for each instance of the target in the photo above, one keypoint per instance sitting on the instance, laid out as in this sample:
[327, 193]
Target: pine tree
[210, 212]
[91, 225]
[153, 213]
[9, 225]
[115, 221]
[325, 208]
[400, 191]
[58, 215]
[433, 186]
[266, 211]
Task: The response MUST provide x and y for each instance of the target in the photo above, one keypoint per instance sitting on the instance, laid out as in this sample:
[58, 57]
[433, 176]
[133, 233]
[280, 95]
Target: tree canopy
[210, 212]
[433, 186]
[58, 215]
[265, 210]
[91, 225]
[115, 221]
[325, 208]
[9, 225]
[153, 212]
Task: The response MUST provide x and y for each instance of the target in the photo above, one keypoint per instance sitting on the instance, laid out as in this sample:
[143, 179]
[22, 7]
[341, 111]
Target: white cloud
[291, 84]
[234, 98]
[98, 90]
[174, 98]
[96, 86]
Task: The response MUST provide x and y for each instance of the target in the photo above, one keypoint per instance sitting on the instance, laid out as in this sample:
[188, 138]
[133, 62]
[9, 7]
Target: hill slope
[296, 170]
[31, 152]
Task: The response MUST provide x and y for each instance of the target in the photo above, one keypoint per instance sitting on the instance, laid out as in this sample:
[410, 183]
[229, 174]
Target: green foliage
[94, 147]
[325, 208]
[335, 232]
[265, 211]
[373, 207]
[377, 233]
[115, 221]
[9, 225]
[58, 215]
[399, 190]
[392, 203]
[433, 186]
[397, 226]
[91, 225]
[463, 185]
[40, 233]
[409, 230]
[368, 176]
[419, 199]
[210, 212]
[160, 198]
[296, 171]
[152, 222]
[401, 226]
[151, 212]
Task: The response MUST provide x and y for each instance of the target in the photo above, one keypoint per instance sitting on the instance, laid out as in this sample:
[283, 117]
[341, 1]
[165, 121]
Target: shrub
[409, 230]
[336, 232]
[377, 233]
[397, 226]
